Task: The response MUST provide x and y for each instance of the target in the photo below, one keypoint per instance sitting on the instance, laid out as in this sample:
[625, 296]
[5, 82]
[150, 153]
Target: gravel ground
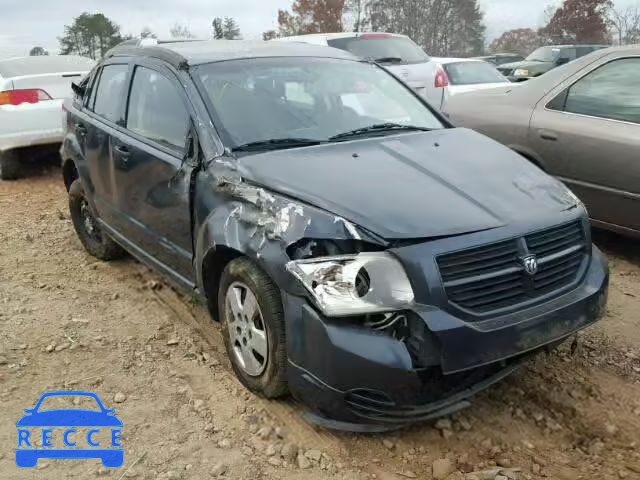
[70, 322]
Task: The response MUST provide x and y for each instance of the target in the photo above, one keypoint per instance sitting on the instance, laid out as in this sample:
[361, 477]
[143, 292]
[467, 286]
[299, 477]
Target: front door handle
[548, 135]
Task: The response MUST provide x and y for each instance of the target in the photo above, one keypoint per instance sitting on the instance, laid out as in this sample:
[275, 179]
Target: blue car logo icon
[37, 421]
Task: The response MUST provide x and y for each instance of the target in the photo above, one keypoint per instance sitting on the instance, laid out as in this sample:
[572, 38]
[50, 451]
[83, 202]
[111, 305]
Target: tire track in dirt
[284, 411]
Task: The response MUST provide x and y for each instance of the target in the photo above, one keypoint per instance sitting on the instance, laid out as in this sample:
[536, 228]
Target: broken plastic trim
[307, 248]
[355, 284]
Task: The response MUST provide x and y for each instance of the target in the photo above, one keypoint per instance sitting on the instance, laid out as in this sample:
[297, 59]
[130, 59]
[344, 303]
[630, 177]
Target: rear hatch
[397, 53]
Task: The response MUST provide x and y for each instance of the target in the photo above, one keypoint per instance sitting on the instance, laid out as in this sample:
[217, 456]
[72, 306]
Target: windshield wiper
[276, 144]
[378, 128]
[389, 60]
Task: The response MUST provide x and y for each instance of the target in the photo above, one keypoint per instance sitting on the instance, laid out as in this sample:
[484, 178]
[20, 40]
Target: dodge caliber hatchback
[358, 251]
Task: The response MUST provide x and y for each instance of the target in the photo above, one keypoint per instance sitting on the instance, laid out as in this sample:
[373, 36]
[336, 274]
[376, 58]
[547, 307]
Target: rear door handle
[81, 129]
[549, 136]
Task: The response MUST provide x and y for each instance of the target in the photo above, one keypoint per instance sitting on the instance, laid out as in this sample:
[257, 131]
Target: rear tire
[88, 229]
[10, 168]
[253, 328]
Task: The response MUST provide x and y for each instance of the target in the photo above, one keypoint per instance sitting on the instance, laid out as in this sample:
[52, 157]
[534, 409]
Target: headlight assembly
[521, 72]
[355, 284]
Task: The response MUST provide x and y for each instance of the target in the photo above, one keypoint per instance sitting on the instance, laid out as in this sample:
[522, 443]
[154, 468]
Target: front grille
[506, 71]
[492, 277]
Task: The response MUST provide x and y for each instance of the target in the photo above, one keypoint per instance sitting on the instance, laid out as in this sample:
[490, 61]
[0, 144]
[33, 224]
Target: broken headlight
[355, 284]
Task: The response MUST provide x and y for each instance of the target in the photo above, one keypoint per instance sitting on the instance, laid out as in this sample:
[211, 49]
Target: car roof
[185, 54]
[447, 60]
[575, 45]
[43, 64]
[332, 36]
[499, 55]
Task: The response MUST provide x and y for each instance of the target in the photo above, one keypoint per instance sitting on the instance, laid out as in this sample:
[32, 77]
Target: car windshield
[382, 47]
[544, 54]
[473, 73]
[307, 100]
[66, 402]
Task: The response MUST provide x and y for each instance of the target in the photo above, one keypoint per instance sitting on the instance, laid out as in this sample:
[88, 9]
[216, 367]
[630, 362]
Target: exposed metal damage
[265, 217]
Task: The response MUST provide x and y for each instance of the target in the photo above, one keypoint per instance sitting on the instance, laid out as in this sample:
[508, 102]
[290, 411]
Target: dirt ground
[69, 322]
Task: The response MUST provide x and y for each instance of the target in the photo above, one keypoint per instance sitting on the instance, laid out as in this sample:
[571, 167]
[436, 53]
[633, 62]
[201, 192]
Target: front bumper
[355, 379]
[28, 125]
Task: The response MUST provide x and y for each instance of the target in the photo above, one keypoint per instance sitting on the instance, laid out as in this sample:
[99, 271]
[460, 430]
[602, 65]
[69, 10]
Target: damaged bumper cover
[357, 379]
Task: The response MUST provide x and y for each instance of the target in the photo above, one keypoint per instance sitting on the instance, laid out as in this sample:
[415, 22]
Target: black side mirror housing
[78, 89]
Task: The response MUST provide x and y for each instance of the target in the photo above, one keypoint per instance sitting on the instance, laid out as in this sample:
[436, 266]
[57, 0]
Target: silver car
[579, 122]
[397, 53]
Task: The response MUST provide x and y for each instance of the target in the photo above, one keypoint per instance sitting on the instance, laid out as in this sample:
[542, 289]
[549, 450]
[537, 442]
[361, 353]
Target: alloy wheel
[247, 330]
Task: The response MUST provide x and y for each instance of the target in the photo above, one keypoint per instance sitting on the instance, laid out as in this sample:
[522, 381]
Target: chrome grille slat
[491, 277]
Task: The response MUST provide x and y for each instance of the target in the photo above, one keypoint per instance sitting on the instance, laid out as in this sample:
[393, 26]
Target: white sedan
[32, 90]
[460, 75]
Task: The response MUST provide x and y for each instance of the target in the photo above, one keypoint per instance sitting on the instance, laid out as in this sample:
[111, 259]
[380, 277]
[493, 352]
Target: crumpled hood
[414, 185]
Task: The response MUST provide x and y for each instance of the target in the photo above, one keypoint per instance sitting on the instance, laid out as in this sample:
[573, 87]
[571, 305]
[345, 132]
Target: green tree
[269, 35]
[38, 52]
[180, 31]
[225, 28]
[441, 27]
[90, 35]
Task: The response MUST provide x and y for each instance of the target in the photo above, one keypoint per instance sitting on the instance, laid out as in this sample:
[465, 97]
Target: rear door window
[156, 109]
[107, 96]
[611, 92]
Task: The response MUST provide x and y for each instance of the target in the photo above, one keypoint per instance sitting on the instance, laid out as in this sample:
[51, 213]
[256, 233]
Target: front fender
[260, 224]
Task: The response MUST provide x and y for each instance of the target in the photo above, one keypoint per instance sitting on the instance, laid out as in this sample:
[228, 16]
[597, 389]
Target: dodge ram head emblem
[530, 264]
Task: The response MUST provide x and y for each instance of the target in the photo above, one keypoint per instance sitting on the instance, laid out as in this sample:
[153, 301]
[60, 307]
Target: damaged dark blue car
[358, 251]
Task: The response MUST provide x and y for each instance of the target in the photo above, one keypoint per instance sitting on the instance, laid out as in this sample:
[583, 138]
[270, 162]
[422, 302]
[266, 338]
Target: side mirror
[109, 411]
[562, 60]
[28, 410]
[77, 89]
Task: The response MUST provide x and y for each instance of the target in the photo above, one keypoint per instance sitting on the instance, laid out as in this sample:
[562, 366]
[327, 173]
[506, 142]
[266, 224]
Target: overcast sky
[25, 23]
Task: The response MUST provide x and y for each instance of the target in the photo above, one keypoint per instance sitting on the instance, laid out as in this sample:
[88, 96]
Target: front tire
[10, 168]
[89, 231]
[253, 328]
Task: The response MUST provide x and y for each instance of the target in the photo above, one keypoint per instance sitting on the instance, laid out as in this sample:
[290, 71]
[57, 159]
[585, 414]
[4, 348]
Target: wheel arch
[69, 173]
[213, 264]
